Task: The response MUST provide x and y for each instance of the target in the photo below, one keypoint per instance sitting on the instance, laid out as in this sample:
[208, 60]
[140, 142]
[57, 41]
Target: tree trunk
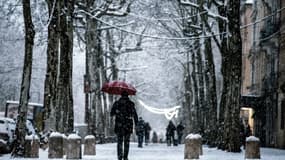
[114, 72]
[91, 34]
[235, 54]
[195, 106]
[200, 76]
[99, 61]
[231, 69]
[64, 104]
[52, 65]
[210, 81]
[20, 131]
[70, 119]
[188, 96]
[225, 59]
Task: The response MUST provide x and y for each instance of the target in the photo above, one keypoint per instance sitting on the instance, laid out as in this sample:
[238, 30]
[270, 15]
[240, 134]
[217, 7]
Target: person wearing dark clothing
[140, 132]
[125, 113]
[247, 133]
[247, 130]
[242, 133]
[180, 129]
[154, 137]
[170, 132]
[147, 130]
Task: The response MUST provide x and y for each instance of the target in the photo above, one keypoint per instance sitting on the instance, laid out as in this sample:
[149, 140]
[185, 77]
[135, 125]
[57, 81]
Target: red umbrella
[117, 87]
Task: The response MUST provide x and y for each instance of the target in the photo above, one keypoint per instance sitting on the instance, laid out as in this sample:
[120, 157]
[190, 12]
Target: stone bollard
[32, 145]
[192, 146]
[73, 147]
[55, 145]
[252, 148]
[90, 145]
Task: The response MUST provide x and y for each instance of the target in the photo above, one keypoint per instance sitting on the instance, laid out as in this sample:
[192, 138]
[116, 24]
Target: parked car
[35, 113]
[7, 130]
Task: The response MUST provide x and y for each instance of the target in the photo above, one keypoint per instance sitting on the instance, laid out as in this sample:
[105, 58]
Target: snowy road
[162, 152]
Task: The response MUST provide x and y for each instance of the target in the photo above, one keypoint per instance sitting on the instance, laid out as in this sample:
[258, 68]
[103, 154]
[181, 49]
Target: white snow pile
[55, 134]
[64, 136]
[249, 2]
[252, 138]
[194, 136]
[90, 137]
[73, 136]
[31, 137]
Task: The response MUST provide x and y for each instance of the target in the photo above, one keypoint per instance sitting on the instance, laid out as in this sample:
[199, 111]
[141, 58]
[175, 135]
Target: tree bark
[194, 110]
[188, 96]
[225, 59]
[210, 81]
[52, 65]
[20, 131]
[231, 70]
[64, 104]
[99, 64]
[91, 34]
[114, 72]
[201, 88]
[235, 49]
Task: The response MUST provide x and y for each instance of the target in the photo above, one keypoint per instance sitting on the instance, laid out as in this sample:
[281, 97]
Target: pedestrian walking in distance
[154, 137]
[147, 130]
[170, 132]
[140, 132]
[125, 113]
[180, 129]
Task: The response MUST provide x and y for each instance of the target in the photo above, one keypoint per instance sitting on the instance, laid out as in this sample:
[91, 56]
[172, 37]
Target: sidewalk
[162, 152]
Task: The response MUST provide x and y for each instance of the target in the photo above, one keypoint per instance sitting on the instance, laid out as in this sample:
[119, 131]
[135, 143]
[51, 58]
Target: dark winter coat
[180, 129]
[247, 131]
[125, 112]
[154, 138]
[140, 128]
[147, 128]
[170, 130]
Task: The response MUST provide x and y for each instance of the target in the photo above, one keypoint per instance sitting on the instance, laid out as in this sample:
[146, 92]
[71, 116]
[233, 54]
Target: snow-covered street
[162, 152]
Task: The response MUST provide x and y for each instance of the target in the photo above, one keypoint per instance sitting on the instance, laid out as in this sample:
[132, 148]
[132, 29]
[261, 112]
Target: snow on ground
[162, 152]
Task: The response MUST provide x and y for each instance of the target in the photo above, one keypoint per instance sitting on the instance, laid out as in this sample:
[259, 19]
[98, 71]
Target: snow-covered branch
[219, 2]
[213, 15]
[109, 8]
[188, 3]
[119, 10]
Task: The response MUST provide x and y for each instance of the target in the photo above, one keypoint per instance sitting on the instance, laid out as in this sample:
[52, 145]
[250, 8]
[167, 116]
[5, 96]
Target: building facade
[263, 64]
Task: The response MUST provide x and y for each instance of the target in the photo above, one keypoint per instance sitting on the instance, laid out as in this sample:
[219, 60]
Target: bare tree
[64, 98]
[52, 64]
[230, 49]
[58, 100]
[231, 70]
[95, 68]
[20, 131]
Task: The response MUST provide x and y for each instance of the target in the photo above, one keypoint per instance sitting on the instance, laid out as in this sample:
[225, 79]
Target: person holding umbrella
[125, 113]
